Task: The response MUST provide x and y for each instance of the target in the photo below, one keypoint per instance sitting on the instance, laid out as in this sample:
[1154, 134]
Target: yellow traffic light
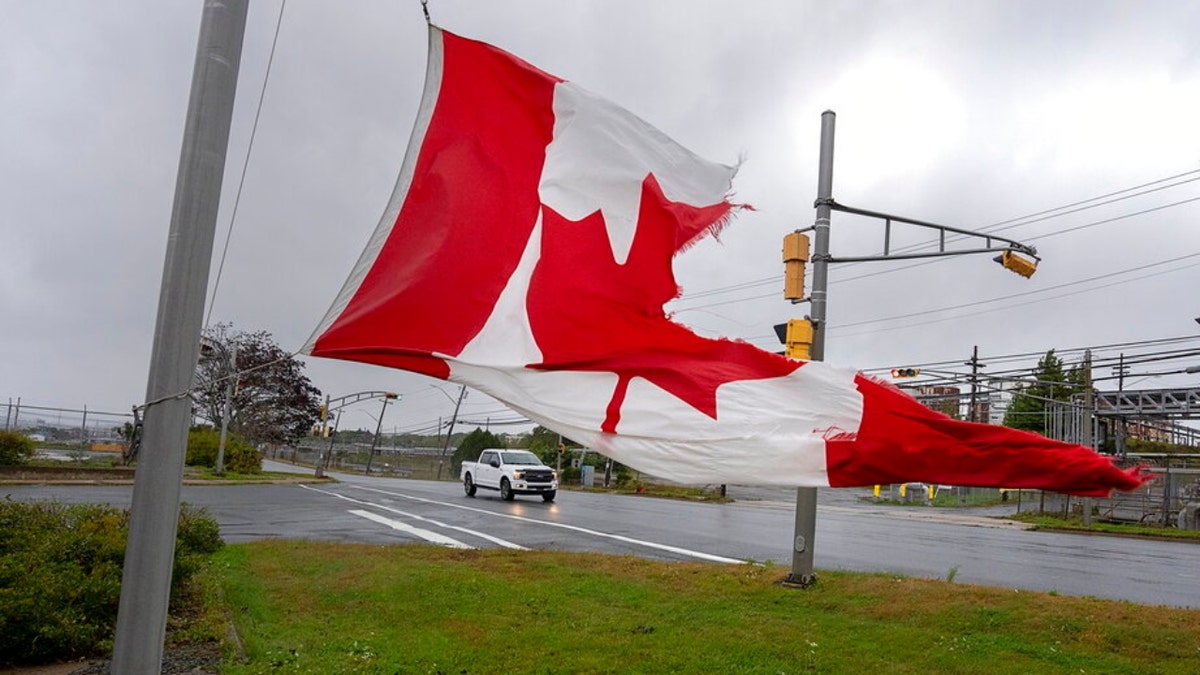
[795, 255]
[905, 372]
[799, 338]
[1016, 263]
[324, 412]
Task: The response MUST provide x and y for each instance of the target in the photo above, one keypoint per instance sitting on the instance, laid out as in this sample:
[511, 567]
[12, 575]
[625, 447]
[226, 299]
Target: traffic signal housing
[798, 338]
[1011, 261]
[795, 256]
[905, 372]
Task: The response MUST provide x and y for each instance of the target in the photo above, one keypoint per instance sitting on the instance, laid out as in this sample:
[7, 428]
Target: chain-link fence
[68, 428]
[424, 463]
[1172, 499]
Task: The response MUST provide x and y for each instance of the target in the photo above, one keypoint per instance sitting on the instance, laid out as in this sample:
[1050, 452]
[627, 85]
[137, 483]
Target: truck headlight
[518, 475]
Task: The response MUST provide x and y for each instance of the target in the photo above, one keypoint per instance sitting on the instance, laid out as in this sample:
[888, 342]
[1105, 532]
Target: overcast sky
[962, 113]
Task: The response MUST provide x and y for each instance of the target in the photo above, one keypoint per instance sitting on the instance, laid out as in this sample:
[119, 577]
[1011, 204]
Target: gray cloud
[962, 113]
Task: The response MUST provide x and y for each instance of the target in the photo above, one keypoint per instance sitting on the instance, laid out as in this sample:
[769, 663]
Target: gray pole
[332, 437]
[375, 440]
[320, 470]
[154, 514]
[972, 416]
[806, 497]
[230, 382]
[1089, 404]
[462, 393]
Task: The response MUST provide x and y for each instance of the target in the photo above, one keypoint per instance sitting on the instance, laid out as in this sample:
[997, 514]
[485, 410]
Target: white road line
[495, 540]
[433, 537]
[649, 544]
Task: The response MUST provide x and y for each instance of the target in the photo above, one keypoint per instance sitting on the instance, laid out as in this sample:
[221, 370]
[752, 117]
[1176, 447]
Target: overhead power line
[1036, 217]
[1108, 275]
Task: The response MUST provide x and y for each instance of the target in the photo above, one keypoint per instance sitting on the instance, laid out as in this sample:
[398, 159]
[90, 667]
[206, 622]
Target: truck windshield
[521, 458]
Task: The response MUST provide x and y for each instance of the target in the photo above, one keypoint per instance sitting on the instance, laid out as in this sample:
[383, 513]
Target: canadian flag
[527, 252]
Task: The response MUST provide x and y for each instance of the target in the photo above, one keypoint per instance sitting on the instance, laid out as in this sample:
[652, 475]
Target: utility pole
[1089, 414]
[462, 393]
[806, 497]
[230, 385]
[375, 440]
[154, 514]
[973, 414]
[1121, 432]
[16, 416]
[323, 464]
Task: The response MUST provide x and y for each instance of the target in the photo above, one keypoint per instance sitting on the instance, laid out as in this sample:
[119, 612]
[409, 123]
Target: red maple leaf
[590, 313]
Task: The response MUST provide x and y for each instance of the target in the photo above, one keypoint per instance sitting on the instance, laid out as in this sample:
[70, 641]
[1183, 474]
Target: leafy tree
[544, 443]
[469, 448]
[15, 448]
[273, 401]
[1051, 383]
[240, 456]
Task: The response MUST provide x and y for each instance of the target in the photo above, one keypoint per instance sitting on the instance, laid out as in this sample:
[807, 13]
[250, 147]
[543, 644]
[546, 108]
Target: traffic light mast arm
[992, 243]
[350, 399]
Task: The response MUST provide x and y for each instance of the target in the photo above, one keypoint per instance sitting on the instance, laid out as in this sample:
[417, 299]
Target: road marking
[433, 537]
[495, 540]
[639, 542]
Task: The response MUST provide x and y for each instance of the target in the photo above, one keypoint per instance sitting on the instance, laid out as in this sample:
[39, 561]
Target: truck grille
[538, 475]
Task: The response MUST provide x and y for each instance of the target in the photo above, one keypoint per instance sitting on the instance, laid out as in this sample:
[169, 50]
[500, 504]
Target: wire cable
[237, 199]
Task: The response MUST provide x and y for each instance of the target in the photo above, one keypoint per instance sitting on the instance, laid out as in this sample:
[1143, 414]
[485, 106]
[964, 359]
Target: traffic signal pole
[1014, 256]
[806, 497]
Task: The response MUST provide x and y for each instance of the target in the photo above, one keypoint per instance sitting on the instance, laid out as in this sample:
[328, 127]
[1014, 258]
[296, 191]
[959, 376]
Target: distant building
[942, 398]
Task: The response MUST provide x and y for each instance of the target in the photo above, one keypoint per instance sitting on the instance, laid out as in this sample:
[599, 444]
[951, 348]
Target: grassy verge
[1044, 522]
[318, 607]
[207, 473]
[683, 492]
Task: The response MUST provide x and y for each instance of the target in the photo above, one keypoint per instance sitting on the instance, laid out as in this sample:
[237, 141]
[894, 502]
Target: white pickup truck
[512, 472]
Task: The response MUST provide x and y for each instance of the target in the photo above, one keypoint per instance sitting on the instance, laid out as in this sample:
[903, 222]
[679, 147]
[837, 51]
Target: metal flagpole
[154, 515]
[806, 497]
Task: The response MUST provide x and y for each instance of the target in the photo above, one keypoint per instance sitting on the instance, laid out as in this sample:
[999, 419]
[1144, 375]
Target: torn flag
[527, 250]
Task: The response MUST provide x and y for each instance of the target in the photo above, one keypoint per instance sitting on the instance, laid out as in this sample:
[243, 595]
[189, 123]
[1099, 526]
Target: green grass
[319, 607]
[207, 473]
[682, 492]
[1045, 522]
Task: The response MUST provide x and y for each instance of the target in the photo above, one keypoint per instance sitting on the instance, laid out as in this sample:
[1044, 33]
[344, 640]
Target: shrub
[60, 575]
[240, 456]
[15, 448]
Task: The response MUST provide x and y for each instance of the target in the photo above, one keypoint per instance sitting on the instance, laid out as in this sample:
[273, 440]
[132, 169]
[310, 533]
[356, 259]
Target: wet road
[851, 534]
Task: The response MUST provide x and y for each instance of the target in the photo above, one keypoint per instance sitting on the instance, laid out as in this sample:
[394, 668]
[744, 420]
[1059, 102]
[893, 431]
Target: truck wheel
[549, 496]
[506, 492]
[468, 486]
